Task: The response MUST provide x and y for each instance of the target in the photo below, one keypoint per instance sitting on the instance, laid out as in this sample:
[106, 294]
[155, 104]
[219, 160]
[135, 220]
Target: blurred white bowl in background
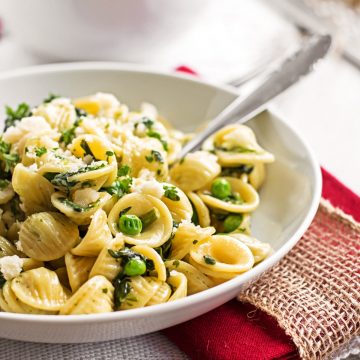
[127, 30]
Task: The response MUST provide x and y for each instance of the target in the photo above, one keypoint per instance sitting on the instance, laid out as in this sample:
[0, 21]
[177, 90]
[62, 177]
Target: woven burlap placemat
[314, 292]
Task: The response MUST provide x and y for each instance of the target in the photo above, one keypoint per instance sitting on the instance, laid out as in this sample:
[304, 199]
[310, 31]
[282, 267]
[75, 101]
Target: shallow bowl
[289, 197]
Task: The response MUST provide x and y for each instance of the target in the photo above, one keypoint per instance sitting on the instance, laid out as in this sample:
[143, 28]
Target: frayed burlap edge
[314, 291]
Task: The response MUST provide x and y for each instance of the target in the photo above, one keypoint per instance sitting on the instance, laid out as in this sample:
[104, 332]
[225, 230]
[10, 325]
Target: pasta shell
[180, 209]
[8, 249]
[162, 293]
[105, 264]
[228, 255]
[34, 190]
[178, 282]
[47, 236]
[247, 193]
[201, 209]
[195, 171]
[81, 216]
[100, 149]
[185, 236]
[29, 264]
[93, 297]
[154, 235]
[6, 194]
[196, 280]
[78, 269]
[97, 236]
[236, 144]
[141, 292]
[59, 113]
[39, 288]
[10, 303]
[259, 249]
[257, 176]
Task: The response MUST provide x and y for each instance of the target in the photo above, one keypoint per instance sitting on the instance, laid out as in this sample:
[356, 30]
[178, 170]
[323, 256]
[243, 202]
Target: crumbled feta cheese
[33, 167]
[151, 187]
[27, 125]
[84, 197]
[146, 174]
[19, 246]
[11, 266]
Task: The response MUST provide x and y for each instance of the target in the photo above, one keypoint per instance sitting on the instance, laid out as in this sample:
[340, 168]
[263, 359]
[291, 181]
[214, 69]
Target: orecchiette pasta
[97, 214]
[40, 288]
[97, 236]
[156, 233]
[47, 236]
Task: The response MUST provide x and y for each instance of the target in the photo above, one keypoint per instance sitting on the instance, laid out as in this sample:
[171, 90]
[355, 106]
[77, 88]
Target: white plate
[289, 198]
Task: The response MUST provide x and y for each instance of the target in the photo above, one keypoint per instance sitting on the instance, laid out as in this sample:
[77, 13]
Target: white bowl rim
[195, 298]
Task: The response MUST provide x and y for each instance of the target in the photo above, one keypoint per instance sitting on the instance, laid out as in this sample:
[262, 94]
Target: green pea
[134, 267]
[221, 188]
[232, 222]
[130, 224]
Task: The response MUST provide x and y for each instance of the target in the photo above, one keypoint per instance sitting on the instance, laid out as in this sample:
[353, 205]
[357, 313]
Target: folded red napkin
[237, 331]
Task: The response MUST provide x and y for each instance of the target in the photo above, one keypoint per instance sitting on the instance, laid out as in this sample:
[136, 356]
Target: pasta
[98, 215]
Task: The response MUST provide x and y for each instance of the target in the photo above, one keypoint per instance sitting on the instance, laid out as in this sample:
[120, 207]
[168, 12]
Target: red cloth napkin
[237, 331]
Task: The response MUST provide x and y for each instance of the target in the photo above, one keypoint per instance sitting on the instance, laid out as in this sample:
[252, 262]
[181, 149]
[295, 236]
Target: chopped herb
[127, 256]
[195, 216]
[87, 184]
[236, 149]
[85, 146]
[236, 171]
[119, 187]
[195, 242]
[105, 290]
[176, 263]
[4, 184]
[62, 180]
[165, 250]
[124, 170]
[155, 156]
[23, 110]
[148, 122]
[2, 280]
[50, 98]
[171, 193]
[234, 198]
[109, 153]
[77, 207]
[122, 289]
[123, 212]
[8, 160]
[158, 172]
[67, 136]
[209, 260]
[150, 266]
[40, 151]
[4, 146]
[80, 112]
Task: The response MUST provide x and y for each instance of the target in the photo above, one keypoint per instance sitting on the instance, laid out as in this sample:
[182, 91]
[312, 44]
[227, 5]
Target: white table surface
[324, 108]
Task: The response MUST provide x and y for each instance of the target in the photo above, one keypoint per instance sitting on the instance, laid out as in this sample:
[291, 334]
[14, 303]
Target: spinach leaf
[23, 110]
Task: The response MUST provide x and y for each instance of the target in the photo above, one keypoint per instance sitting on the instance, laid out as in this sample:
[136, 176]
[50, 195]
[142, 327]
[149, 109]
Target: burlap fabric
[314, 292]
